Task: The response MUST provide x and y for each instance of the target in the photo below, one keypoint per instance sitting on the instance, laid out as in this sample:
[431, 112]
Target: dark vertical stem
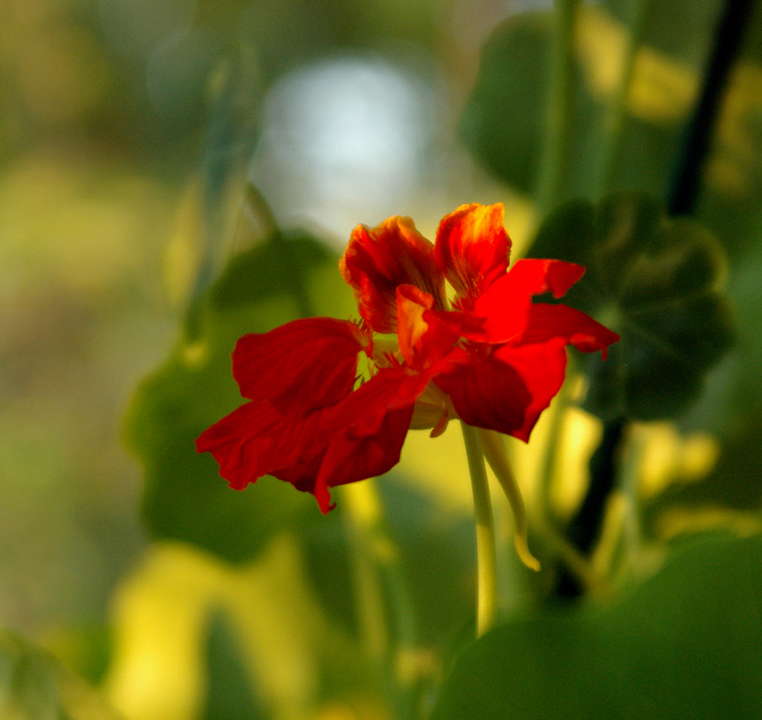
[585, 527]
[616, 112]
[558, 123]
[728, 38]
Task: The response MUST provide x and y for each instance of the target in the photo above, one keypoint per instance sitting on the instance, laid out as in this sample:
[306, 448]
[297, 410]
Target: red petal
[505, 307]
[363, 434]
[508, 389]
[378, 260]
[303, 477]
[536, 277]
[256, 440]
[301, 366]
[573, 326]
[363, 411]
[350, 459]
[472, 247]
[357, 438]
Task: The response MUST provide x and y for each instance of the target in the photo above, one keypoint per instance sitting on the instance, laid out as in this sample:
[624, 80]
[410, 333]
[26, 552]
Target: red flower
[495, 360]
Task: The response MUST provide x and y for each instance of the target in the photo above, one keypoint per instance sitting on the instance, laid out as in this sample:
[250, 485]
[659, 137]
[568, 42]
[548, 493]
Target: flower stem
[369, 593]
[485, 533]
[377, 568]
[617, 109]
[558, 125]
[557, 413]
[497, 458]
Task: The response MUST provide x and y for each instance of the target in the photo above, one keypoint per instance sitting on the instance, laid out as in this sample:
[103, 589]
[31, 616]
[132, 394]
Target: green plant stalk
[631, 528]
[377, 568]
[486, 555]
[557, 412]
[558, 123]
[494, 451]
[616, 112]
[371, 613]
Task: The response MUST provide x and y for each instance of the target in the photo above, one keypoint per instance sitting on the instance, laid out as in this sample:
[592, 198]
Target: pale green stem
[575, 561]
[557, 411]
[616, 111]
[369, 593]
[486, 555]
[494, 450]
[558, 123]
[629, 484]
[374, 551]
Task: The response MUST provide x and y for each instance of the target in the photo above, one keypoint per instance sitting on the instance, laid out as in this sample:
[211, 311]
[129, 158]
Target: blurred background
[110, 112]
[129, 131]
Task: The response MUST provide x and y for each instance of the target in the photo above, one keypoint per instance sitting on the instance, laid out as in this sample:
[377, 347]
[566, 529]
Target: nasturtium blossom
[491, 357]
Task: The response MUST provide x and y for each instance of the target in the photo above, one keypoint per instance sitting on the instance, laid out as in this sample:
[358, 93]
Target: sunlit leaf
[653, 280]
[184, 496]
[688, 643]
[277, 638]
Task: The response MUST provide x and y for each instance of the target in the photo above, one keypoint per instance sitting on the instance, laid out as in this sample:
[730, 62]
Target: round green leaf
[687, 643]
[505, 121]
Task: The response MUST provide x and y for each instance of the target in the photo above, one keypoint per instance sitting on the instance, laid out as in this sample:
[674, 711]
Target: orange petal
[425, 335]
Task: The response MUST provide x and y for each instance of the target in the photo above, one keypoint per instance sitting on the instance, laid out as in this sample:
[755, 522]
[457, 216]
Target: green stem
[497, 458]
[557, 411]
[377, 567]
[631, 529]
[584, 528]
[369, 594]
[616, 112]
[258, 222]
[733, 28]
[485, 533]
[559, 110]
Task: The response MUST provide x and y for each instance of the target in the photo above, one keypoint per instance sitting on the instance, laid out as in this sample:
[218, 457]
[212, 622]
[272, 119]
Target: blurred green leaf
[34, 686]
[687, 643]
[655, 282]
[184, 497]
[436, 554]
[731, 409]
